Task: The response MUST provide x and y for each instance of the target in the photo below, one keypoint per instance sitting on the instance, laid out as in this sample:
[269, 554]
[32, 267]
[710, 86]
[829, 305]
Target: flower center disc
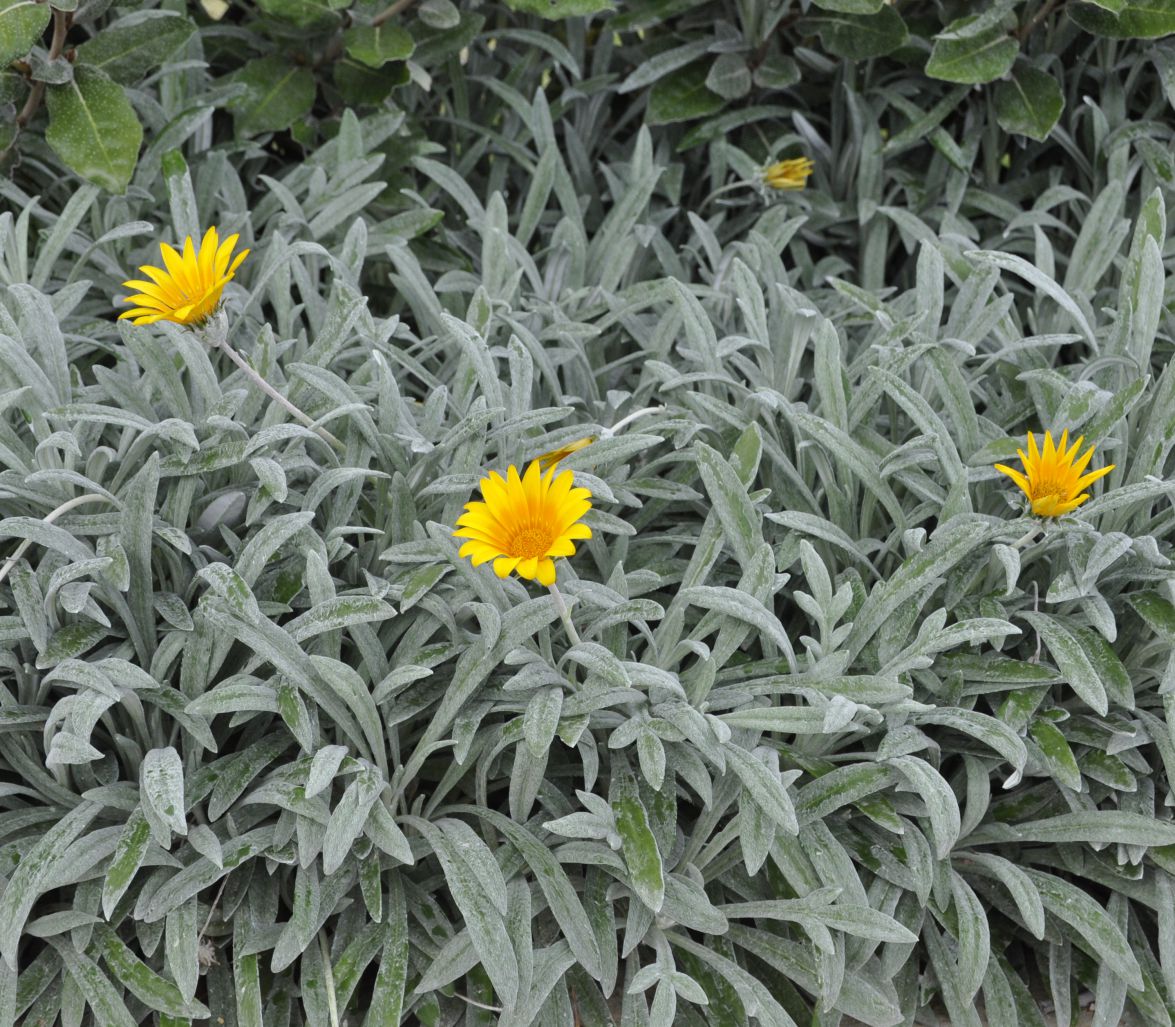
[530, 543]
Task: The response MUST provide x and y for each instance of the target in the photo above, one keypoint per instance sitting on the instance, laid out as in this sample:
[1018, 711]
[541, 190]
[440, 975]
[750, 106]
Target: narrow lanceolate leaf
[161, 783]
[35, 873]
[1071, 660]
[1110, 826]
[157, 993]
[1101, 935]
[103, 998]
[128, 857]
[942, 807]
[387, 997]
[93, 128]
[485, 924]
[646, 873]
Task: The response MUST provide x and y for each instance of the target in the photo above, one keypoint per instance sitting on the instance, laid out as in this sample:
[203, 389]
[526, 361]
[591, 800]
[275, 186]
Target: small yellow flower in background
[546, 461]
[789, 174]
[1052, 478]
[188, 291]
[525, 523]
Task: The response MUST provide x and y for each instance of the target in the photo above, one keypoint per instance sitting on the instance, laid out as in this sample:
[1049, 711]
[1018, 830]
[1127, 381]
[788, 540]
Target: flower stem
[49, 518]
[276, 396]
[624, 422]
[564, 613]
[1027, 537]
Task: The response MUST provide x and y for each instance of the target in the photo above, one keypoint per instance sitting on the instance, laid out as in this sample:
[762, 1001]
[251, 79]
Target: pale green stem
[624, 422]
[564, 613]
[49, 518]
[276, 396]
[1021, 542]
[332, 1003]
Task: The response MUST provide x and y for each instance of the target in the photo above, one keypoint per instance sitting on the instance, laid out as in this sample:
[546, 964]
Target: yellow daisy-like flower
[525, 523]
[548, 460]
[1052, 479]
[789, 174]
[188, 291]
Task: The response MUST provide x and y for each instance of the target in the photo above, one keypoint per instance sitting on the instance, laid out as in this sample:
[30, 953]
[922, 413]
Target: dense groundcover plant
[823, 724]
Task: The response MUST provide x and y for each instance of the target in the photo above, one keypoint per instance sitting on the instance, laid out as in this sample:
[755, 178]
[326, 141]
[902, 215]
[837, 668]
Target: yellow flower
[548, 460]
[188, 291]
[1052, 479]
[789, 174]
[525, 522]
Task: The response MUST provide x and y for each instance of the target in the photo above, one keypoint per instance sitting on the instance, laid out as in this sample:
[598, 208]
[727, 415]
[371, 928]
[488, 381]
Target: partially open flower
[548, 460]
[187, 289]
[525, 523]
[789, 174]
[1052, 478]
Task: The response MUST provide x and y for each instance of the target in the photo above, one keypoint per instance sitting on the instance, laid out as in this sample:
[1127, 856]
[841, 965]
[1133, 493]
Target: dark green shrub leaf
[1029, 102]
[93, 128]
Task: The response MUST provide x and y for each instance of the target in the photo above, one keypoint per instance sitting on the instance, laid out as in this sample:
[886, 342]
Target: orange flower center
[530, 542]
[1048, 487]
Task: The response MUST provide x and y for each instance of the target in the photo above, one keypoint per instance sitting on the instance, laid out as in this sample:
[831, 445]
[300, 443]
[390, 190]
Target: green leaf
[1071, 659]
[850, 6]
[93, 128]
[277, 93]
[1158, 613]
[128, 858]
[162, 786]
[646, 874]
[70, 641]
[973, 59]
[130, 47]
[1058, 756]
[560, 8]
[682, 96]
[742, 525]
[1101, 827]
[105, 1001]
[376, 45]
[34, 875]
[860, 37]
[1029, 103]
[22, 23]
[1137, 19]
[158, 993]
[1102, 937]
[303, 13]
[387, 997]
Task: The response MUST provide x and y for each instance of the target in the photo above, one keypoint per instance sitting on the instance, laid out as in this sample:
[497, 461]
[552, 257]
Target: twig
[49, 518]
[61, 23]
[388, 13]
[1043, 12]
[212, 910]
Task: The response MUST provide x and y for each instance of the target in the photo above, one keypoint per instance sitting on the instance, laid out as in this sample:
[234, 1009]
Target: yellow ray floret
[525, 522]
[187, 288]
[1052, 478]
[789, 174]
[549, 460]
